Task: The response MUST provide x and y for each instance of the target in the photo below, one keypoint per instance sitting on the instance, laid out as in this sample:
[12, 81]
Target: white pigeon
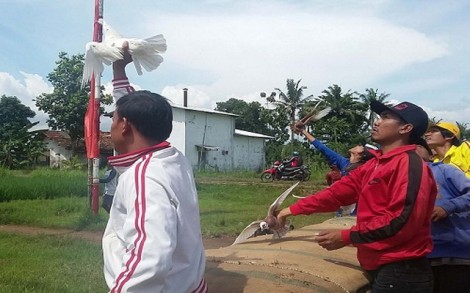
[144, 52]
[97, 54]
[267, 225]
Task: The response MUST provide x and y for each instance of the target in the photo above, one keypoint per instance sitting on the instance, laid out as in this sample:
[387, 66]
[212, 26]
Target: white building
[209, 140]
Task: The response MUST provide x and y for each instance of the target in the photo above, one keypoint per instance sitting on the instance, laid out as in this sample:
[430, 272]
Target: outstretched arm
[119, 66]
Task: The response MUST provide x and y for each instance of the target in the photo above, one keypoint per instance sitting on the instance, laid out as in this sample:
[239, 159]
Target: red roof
[63, 140]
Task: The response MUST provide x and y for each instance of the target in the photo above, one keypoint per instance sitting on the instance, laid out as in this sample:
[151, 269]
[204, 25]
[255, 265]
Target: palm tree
[373, 95]
[464, 130]
[343, 105]
[292, 101]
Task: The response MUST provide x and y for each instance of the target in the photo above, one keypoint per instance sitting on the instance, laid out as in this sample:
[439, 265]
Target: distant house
[59, 147]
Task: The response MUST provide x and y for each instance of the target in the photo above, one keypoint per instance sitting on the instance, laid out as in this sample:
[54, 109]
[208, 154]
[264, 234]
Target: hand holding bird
[314, 115]
[270, 223]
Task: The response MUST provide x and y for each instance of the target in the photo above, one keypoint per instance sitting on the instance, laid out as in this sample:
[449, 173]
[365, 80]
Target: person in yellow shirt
[445, 141]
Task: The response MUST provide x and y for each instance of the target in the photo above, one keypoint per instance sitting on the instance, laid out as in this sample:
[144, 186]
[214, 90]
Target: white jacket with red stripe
[152, 242]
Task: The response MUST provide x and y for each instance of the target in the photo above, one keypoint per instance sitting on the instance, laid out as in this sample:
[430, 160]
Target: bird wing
[275, 205]
[248, 232]
[92, 65]
[96, 54]
[316, 115]
[145, 53]
[157, 43]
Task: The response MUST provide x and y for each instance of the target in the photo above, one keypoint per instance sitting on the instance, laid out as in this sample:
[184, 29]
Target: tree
[18, 146]
[291, 101]
[277, 123]
[67, 104]
[250, 115]
[345, 123]
[464, 130]
[343, 105]
[367, 98]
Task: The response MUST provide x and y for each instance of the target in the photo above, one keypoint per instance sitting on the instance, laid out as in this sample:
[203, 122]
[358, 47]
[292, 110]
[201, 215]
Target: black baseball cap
[109, 114]
[422, 142]
[408, 112]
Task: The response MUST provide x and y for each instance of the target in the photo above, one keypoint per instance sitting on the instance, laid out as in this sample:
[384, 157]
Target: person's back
[170, 209]
[152, 242]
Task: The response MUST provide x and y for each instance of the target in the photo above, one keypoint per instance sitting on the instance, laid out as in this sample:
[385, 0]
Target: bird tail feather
[157, 43]
[279, 233]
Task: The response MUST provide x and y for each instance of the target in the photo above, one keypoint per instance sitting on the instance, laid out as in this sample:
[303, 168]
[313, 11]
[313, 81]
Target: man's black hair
[150, 113]
[366, 156]
[447, 134]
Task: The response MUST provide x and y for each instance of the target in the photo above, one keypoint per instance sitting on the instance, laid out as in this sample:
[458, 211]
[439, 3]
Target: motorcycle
[279, 171]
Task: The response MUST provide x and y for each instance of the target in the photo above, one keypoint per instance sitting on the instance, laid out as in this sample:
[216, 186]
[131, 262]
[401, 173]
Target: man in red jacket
[395, 191]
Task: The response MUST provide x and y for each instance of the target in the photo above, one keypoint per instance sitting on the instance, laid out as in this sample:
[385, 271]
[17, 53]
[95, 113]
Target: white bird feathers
[269, 222]
[144, 52]
[315, 114]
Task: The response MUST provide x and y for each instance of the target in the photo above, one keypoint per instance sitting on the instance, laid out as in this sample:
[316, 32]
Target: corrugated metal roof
[251, 134]
[203, 110]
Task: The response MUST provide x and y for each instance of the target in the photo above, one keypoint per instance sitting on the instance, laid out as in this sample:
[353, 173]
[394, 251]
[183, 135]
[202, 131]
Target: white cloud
[26, 89]
[457, 115]
[196, 97]
[247, 52]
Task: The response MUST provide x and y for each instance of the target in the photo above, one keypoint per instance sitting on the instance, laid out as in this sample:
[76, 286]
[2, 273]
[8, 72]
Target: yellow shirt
[458, 157]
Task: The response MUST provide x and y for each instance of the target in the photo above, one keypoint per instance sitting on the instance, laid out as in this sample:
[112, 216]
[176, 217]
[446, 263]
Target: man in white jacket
[152, 242]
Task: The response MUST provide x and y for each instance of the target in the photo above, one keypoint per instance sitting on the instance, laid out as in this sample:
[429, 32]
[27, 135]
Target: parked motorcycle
[279, 171]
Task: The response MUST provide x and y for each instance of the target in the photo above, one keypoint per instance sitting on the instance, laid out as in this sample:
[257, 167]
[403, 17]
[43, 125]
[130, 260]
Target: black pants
[408, 276]
[451, 278]
[107, 202]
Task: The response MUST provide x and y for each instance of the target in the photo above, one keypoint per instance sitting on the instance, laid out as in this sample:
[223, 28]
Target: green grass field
[54, 199]
[49, 264]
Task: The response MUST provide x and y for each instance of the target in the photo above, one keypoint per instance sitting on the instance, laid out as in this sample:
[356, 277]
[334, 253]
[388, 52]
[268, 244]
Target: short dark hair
[447, 134]
[150, 113]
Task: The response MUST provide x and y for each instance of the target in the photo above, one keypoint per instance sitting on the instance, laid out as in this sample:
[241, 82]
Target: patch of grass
[66, 212]
[50, 264]
[42, 184]
[226, 209]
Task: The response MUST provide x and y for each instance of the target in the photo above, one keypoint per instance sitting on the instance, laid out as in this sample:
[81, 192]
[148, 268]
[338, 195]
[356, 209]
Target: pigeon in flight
[145, 52]
[269, 223]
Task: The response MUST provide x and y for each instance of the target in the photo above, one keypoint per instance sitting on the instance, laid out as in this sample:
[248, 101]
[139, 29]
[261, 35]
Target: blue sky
[219, 49]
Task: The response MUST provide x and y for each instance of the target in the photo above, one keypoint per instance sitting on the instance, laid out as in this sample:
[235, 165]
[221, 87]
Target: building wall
[178, 135]
[249, 153]
[210, 129]
[57, 154]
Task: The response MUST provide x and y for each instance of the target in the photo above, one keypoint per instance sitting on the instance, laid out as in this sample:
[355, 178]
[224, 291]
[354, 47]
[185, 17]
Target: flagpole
[95, 92]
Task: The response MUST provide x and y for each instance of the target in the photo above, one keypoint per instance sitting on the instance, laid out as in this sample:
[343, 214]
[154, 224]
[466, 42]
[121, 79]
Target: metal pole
[95, 88]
